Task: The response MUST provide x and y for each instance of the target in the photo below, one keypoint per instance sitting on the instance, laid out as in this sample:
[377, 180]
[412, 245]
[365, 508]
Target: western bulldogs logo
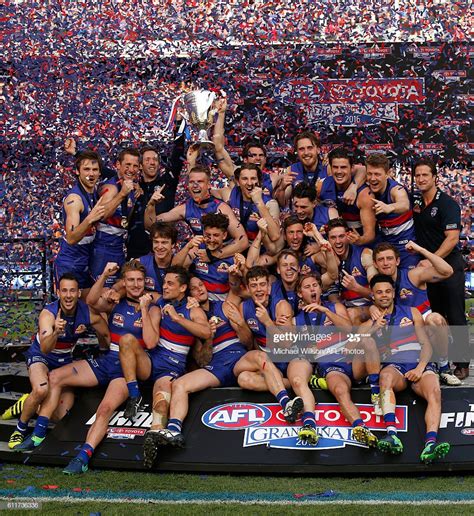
[406, 322]
[223, 267]
[149, 283]
[405, 293]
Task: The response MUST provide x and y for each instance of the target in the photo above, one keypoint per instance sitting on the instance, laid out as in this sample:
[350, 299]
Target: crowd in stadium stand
[148, 27]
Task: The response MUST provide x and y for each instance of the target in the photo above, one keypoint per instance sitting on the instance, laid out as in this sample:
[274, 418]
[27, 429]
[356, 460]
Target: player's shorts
[50, 360]
[282, 367]
[106, 368]
[101, 256]
[164, 363]
[80, 271]
[222, 365]
[404, 367]
[324, 368]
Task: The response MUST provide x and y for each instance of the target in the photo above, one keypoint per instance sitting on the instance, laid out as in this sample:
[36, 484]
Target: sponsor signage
[233, 430]
[264, 424]
[330, 91]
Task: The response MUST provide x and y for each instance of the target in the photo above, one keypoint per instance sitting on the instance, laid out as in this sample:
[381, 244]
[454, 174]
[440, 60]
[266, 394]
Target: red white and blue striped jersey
[331, 345]
[193, 213]
[77, 325]
[124, 319]
[225, 335]
[80, 251]
[246, 211]
[399, 336]
[394, 227]
[215, 275]
[353, 266]
[110, 232]
[173, 336]
[406, 294]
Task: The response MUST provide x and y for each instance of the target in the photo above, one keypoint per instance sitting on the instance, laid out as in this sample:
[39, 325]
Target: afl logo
[118, 320]
[467, 431]
[236, 416]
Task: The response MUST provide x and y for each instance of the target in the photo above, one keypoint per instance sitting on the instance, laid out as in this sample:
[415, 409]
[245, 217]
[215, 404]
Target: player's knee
[297, 382]
[39, 392]
[245, 380]
[339, 389]
[385, 381]
[261, 359]
[433, 395]
[55, 379]
[435, 319]
[369, 345]
[104, 410]
[127, 342]
[179, 387]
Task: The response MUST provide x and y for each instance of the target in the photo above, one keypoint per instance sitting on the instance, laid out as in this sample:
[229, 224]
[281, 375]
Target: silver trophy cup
[198, 106]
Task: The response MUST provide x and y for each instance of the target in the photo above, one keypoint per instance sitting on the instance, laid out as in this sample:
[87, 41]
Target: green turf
[20, 477]
[109, 509]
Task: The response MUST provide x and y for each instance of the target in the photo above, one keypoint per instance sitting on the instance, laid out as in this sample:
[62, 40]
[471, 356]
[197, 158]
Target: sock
[374, 383]
[283, 398]
[41, 427]
[86, 453]
[309, 419]
[358, 422]
[443, 365]
[390, 423]
[22, 427]
[430, 437]
[133, 390]
[175, 424]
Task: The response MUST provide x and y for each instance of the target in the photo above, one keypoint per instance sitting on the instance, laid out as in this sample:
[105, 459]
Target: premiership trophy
[198, 105]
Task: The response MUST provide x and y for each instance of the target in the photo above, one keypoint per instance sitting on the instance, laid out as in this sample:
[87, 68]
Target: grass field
[111, 492]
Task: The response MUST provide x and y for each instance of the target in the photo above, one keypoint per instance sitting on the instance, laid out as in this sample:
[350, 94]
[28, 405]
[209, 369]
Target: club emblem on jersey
[405, 292]
[195, 224]
[434, 211]
[356, 272]
[118, 320]
[202, 267]
[253, 324]
[81, 328]
[254, 216]
[406, 322]
[217, 321]
[149, 283]
[223, 267]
